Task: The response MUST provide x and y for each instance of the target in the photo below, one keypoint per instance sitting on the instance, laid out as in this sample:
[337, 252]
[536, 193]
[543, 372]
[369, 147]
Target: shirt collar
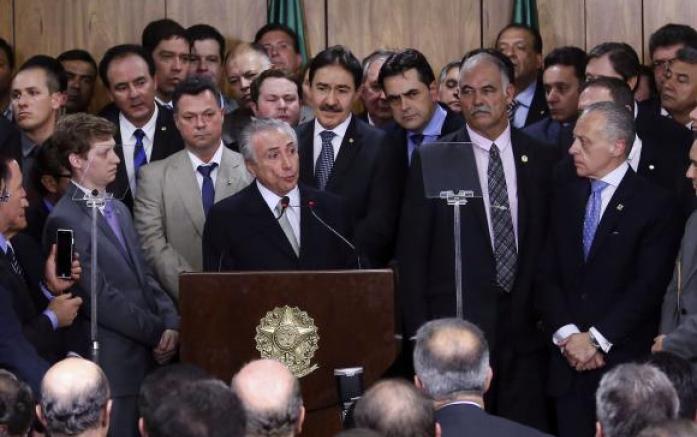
[27, 145]
[435, 124]
[525, 97]
[3, 243]
[127, 128]
[217, 157]
[272, 198]
[339, 130]
[502, 141]
[615, 176]
[163, 103]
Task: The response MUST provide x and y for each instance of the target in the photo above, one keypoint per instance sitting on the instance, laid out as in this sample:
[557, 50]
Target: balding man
[75, 399]
[395, 408]
[451, 360]
[16, 406]
[271, 398]
[612, 240]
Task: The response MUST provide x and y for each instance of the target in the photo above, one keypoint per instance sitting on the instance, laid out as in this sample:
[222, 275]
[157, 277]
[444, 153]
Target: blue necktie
[325, 162]
[139, 157]
[592, 217]
[207, 189]
[416, 140]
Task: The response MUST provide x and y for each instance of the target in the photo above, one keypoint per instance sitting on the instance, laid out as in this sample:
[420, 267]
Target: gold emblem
[524, 158]
[620, 207]
[288, 335]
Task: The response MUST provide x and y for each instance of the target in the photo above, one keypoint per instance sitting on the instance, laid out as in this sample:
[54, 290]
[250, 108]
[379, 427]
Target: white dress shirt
[481, 155]
[292, 211]
[613, 180]
[128, 143]
[196, 161]
[340, 133]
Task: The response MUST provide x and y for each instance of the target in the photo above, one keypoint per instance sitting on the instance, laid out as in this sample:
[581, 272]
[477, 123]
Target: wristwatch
[593, 340]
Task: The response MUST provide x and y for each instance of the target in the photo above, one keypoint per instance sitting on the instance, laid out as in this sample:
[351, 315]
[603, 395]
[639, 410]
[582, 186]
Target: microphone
[285, 202]
[311, 206]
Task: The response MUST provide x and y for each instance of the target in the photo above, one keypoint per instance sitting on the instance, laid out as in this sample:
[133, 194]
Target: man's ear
[418, 383]
[40, 415]
[255, 109]
[438, 430]
[106, 415]
[433, 91]
[489, 377]
[598, 430]
[141, 427]
[301, 420]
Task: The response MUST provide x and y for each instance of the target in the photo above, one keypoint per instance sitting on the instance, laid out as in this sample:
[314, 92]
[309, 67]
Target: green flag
[290, 13]
[525, 12]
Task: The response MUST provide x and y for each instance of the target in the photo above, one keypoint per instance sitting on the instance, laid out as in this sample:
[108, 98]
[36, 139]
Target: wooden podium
[353, 311]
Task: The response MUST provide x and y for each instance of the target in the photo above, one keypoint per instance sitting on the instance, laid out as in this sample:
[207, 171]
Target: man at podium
[274, 223]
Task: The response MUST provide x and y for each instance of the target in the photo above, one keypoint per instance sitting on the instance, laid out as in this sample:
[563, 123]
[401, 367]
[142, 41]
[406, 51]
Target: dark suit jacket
[365, 179]
[619, 288]
[425, 249]
[133, 310]
[538, 106]
[36, 213]
[10, 141]
[233, 125]
[552, 132]
[457, 420]
[16, 353]
[241, 233]
[167, 141]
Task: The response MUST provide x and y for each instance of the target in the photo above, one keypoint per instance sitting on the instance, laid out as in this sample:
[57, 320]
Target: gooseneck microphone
[285, 202]
[311, 206]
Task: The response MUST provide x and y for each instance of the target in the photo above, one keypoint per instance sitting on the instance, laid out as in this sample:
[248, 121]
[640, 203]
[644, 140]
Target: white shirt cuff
[602, 341]
[564, 332]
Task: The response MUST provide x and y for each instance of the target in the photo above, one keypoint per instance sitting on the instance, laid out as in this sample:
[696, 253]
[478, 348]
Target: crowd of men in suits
[581, 227]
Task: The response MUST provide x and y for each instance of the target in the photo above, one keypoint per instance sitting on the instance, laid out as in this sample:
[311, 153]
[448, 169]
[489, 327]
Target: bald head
[451, 357]
[244, 63]
[271, 397]
[74, 398]
[396, 408]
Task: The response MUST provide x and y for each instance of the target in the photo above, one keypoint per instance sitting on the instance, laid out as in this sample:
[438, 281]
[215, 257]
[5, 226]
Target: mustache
[480, 109]
[330, 108]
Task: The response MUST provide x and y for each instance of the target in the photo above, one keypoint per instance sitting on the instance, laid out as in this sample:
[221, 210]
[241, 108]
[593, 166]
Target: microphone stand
[94, 200]
[456, 200]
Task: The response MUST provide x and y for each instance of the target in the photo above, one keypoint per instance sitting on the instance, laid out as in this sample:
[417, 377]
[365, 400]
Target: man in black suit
[145, 131]
[664, 44]
[500, 244]
[523, 46]
[410, 89]
[343, 155]
[274, 223]
[565, 71]
[10, 140]
[612, 241]
[451, 359]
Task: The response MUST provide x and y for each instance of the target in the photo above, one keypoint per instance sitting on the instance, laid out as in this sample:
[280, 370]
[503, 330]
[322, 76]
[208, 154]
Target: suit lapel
[161, 137]
[613, 212]
[350, 146]
[266, 224]
[687, 257]
[306, 146]
[522, 167]
[183, 180]
[229, 176]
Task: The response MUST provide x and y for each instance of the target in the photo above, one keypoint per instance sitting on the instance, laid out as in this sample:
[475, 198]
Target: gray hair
[474, 60]
[276, 422]
[619, 122]
[444, 71]
[460, 369]
[631, 397]
[671, 428]
[77, 412]
[377, 55]
[687, 55]
[258, 125]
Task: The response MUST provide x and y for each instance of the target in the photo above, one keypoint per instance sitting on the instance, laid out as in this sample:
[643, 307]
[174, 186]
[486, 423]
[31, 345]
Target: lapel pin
[163, 128]
[524, 158]
[229, 181]
[651, 167]
[351, 140]
[620, 207]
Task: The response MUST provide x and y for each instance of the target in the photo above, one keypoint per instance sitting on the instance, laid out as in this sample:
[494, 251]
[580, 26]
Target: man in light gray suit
[175, 194]
[678, 332]
[137, 321]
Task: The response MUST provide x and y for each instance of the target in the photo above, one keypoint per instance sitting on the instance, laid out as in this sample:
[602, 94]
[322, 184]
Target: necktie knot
[206, 170]
[417, 139]
[598, 186]
[494, 151]
[327, 136]
[139, 134]
[108, 209]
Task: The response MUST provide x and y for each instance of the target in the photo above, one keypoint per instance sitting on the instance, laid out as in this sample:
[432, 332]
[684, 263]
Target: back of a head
[16, 405]
[163, 383]
[451, 357]
[396, 408]
[671, 428]
[206, 408]
[633, 396]
[680, 373]
[74, 397]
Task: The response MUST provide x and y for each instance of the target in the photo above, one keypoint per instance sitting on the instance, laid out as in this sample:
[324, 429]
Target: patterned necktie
[207, 189]
[14, 263]
[325, 162]
[592, 217]
[285, 225]
[139, 157]
[512, 109]
[501, 222]
[111, 218]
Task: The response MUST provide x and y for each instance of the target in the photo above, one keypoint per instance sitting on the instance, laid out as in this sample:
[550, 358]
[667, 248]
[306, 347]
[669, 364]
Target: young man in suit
[500, 244]
[345, 156]
[176, 193]
[137, 321]
[274, 223]
[167, 43]
[451, 360]
[523, 46]
[612, 239]
[145, 131]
